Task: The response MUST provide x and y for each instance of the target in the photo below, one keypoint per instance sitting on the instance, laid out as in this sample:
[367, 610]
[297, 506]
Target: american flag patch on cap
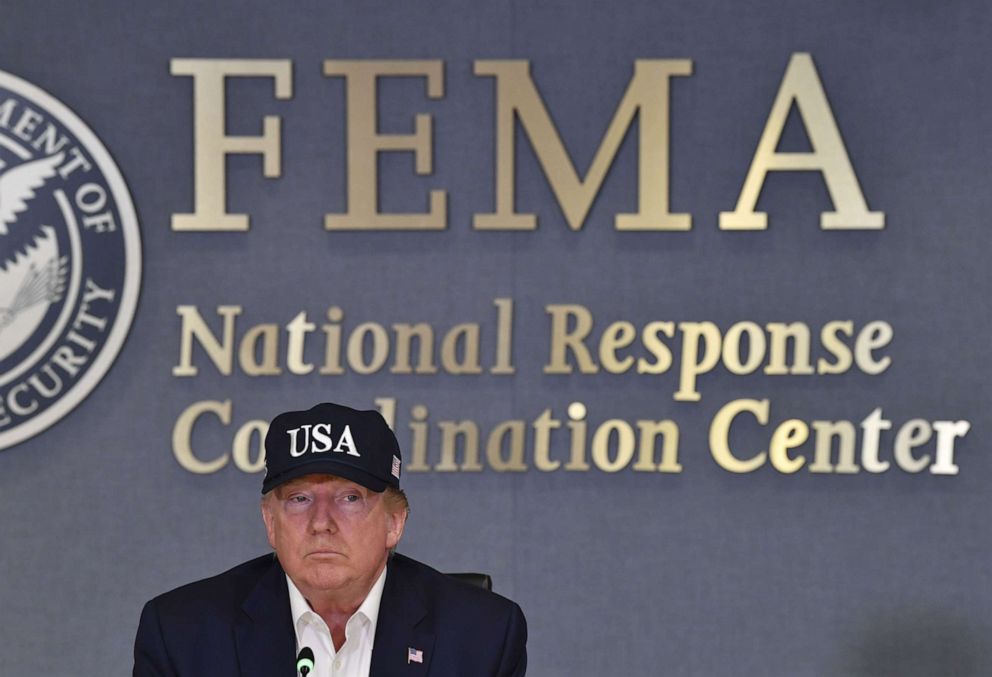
[396, 469]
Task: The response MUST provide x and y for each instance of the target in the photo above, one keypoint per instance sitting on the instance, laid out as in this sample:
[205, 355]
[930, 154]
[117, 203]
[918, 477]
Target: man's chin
[325, 576]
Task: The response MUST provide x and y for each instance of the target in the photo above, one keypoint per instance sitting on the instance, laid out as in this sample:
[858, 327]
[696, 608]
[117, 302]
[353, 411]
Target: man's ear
[395, 523]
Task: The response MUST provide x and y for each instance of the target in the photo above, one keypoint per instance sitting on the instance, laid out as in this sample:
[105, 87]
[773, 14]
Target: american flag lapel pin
[414, 656]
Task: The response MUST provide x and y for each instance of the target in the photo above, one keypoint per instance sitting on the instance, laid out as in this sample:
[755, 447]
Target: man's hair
[396, 500]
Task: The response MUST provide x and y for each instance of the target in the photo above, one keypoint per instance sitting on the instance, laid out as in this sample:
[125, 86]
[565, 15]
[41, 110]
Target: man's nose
[323, 517]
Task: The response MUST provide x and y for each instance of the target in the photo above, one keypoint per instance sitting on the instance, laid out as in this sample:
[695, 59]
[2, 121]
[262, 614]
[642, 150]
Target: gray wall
[704, 572]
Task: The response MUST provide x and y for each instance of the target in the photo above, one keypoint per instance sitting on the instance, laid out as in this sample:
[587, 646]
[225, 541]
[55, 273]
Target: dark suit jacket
[239, 623]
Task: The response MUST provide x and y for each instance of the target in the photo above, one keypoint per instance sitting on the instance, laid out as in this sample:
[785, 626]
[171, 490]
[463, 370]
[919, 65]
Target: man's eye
[298, 499]
[351, 498]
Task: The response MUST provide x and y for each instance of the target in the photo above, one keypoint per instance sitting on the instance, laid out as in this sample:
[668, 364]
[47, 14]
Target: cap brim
[326, 466]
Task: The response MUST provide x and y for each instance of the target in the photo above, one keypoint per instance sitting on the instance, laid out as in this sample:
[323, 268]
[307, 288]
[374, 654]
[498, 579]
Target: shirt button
[337, 664]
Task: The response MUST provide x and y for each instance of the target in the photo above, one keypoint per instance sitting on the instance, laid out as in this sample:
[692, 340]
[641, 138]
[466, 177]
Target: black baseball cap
[335, 440]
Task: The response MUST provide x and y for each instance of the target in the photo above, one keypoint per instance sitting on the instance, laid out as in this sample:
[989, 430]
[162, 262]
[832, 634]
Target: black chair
[484, 581]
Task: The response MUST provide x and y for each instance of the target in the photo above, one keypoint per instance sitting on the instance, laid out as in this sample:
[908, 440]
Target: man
[333, 512]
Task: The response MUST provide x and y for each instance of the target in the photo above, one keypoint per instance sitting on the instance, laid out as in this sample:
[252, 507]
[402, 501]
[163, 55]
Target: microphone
[304, 662]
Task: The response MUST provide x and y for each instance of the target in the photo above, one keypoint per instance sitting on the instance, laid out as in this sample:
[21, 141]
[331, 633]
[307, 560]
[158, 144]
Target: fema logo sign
[70, 260]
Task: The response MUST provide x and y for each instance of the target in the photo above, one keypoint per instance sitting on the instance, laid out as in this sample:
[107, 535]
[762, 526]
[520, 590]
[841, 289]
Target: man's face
[332, 535]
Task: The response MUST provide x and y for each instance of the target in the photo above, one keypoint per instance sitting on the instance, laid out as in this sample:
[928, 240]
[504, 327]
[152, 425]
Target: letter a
[347, 441]
[829, 157]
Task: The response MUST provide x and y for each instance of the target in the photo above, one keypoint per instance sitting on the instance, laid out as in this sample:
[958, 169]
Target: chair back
[484, 581]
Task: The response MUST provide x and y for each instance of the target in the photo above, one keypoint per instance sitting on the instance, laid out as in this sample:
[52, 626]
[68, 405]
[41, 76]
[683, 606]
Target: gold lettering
[469, 433]
[266, 338]
[464, 339]
[802, 85]
[405, 334]
[647, 97]
[846, 435]
[387, 409]
[182, 435]
[242, 452]
[512, 431]
[543, 425]
[720, 435]
[193, 326]
[601, 445]
[562, 339]
[617, 335]
[871, 432]
[788, 435]
[779, 353]
[692, 364]
[417, 461]
[504, 337]
[829, 337]
[365, 144]
[912, 433]
[947, 432]
[732, 348]
[577, 426]
[296, 332]
[356, 348]
[212, 145]
[874, 335]
[651, 337]
[669, 449]
[332, 342]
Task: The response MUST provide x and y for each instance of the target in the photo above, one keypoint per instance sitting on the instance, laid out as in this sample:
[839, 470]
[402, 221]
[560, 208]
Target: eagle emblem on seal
[32, 271]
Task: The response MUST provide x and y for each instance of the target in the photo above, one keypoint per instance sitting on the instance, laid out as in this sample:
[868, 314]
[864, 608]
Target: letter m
[647, 96]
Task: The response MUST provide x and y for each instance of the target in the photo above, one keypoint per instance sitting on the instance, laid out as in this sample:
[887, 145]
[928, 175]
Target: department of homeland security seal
[70, 260]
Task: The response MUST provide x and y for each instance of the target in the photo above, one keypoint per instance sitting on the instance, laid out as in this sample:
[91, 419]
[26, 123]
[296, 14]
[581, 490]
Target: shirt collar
[369, 608]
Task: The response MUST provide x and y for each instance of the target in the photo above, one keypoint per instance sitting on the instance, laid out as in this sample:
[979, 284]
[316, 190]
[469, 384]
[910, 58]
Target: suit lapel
[264, 634]
[402, 625]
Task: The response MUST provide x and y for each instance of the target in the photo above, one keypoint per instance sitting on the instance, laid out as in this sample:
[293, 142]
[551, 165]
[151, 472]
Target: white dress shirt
[355, 656]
